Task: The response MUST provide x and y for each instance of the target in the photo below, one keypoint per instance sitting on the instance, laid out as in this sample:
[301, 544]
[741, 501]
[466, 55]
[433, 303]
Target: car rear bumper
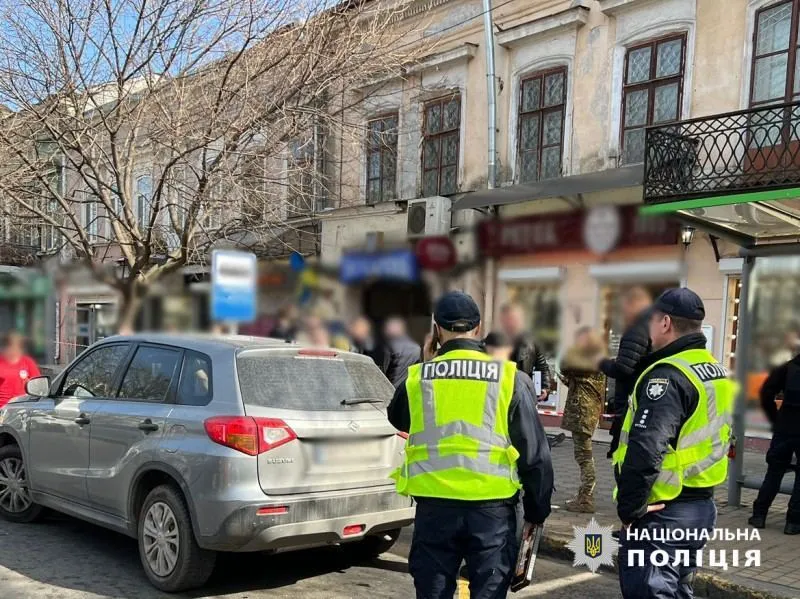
[310, 522]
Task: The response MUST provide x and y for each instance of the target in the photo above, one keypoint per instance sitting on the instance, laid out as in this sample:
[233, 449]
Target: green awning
[740, 198]
[752, 218]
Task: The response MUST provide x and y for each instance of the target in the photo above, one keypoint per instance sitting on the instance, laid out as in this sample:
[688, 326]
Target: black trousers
[674, 579]
[444, 535]
[779, 458]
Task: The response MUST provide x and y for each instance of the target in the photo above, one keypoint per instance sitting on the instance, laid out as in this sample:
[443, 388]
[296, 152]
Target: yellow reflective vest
[700, 456]
[458, 445]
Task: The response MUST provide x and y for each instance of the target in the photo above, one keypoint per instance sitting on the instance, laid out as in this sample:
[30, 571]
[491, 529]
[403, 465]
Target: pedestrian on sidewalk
[667, 468]
[526, 353]
[633, 347]
[586, 392]
[783, 381]
[16, 368]
[464, 473]
[401, 350]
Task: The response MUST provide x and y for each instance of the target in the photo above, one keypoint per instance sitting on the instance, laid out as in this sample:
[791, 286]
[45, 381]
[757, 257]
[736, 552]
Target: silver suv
[195, 445]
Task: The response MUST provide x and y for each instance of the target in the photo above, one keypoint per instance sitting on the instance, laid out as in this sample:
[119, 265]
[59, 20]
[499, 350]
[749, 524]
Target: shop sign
[599, 230]
[436, 253]
[399, 265]
[233, 286]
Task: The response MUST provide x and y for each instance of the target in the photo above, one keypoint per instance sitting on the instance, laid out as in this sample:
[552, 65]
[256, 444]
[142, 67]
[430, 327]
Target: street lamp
[687, 235]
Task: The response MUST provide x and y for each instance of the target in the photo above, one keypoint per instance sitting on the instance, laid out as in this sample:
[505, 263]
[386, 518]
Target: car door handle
[148, 426]
[82, 420]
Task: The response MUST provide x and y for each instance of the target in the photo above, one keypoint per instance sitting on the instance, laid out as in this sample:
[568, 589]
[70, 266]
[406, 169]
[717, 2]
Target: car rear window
[303, 383]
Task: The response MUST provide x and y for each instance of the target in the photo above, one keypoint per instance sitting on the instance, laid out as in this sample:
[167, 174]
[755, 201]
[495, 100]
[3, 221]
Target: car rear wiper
[353, 402]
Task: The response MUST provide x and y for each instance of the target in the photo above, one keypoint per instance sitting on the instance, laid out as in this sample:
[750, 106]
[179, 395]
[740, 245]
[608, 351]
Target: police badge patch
[656, 388]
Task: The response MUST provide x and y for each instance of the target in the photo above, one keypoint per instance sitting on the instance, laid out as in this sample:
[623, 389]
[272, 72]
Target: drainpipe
[491, 179]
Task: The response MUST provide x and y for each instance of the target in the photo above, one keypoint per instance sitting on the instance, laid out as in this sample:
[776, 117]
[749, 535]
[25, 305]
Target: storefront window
[774, 297]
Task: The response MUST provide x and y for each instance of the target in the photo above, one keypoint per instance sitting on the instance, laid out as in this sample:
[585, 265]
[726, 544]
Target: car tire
[170, 555]
[16, 504]
[374, 545]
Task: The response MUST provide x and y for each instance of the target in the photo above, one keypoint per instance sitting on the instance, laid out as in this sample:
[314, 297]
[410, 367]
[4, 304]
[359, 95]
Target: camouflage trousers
[583, 456]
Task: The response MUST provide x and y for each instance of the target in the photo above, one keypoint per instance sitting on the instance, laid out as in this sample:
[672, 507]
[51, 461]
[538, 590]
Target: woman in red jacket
[16, 368]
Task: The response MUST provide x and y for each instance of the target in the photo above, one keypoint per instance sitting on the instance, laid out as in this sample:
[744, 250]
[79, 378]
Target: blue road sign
[234, 295]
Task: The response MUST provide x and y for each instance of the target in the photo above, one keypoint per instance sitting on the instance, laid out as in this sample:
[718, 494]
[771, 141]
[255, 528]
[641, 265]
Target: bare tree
[143, 132]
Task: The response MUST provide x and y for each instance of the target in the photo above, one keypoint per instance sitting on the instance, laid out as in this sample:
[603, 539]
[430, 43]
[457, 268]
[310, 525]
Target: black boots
[757, 521]
[791, 529]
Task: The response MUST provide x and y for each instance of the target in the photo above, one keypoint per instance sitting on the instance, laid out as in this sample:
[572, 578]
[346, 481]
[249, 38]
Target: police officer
[474, 436]
[672, 452]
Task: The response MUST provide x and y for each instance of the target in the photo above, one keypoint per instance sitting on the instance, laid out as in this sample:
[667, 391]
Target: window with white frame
[542, 105]
[144, 197]
[300, 177]
[652, 91]
[90, 219]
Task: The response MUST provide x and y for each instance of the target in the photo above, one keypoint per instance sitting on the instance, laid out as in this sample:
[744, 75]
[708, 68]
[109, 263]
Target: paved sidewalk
[778, 576]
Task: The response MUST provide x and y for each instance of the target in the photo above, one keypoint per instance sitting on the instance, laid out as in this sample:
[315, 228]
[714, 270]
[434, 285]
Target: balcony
[737, 172]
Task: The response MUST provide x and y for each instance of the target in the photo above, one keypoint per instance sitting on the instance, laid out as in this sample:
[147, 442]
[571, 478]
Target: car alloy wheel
[14, 495]
[161, 539]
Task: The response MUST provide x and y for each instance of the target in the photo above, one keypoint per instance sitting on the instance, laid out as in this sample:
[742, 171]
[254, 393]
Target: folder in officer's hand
[526, 560]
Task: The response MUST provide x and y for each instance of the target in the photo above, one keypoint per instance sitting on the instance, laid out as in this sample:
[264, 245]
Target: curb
[705, 585]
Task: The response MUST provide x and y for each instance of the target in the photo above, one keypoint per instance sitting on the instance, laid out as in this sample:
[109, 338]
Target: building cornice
[463, 52]
[570, 19]
[417, 8]
[614, 7]
[381, 209]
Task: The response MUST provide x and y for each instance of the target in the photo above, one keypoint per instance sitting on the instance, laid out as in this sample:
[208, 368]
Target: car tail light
[273, 510]
[251, 436]
[353, 529]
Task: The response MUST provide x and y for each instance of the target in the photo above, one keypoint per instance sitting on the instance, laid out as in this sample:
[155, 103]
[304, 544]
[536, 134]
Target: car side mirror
[38, 387]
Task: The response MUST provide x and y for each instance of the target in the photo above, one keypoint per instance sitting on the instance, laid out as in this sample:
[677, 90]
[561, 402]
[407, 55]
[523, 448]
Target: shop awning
[573, 186]
[749, 219]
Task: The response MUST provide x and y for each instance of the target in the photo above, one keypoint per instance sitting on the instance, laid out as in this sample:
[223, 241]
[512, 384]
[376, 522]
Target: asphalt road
[62, 558]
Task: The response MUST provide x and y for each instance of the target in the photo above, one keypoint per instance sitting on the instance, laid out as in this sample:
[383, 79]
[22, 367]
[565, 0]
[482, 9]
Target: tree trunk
[130, 305]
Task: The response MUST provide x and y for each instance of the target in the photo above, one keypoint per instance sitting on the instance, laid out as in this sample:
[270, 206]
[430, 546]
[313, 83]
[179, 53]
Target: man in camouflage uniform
[582, 410]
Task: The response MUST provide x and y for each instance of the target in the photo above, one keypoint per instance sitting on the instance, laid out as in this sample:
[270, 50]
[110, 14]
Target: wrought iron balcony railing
[738, 152]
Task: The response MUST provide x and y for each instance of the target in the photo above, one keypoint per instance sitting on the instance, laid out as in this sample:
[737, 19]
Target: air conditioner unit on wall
[428, 216]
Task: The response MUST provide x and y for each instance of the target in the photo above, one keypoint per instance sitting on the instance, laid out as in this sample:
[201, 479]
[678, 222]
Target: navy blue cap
[456, 311]
[682, 303]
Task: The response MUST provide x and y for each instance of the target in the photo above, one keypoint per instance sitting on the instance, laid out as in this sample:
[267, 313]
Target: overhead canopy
[573, 186]
[750, 219]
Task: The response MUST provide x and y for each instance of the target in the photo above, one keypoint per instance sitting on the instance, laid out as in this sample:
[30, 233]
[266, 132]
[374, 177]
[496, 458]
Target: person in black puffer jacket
[400, 351]
[633, 347]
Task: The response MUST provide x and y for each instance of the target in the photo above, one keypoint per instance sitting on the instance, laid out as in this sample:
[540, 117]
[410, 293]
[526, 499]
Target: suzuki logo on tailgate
[353, 426]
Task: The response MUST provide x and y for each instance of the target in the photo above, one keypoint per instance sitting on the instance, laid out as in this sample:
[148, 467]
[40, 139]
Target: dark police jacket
[527, 436]
[784, 379]
[659, 422]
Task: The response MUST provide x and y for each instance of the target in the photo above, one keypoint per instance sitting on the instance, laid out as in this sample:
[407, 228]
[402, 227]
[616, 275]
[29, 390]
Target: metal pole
[491, 178]
[736, 470]
[491, 92]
